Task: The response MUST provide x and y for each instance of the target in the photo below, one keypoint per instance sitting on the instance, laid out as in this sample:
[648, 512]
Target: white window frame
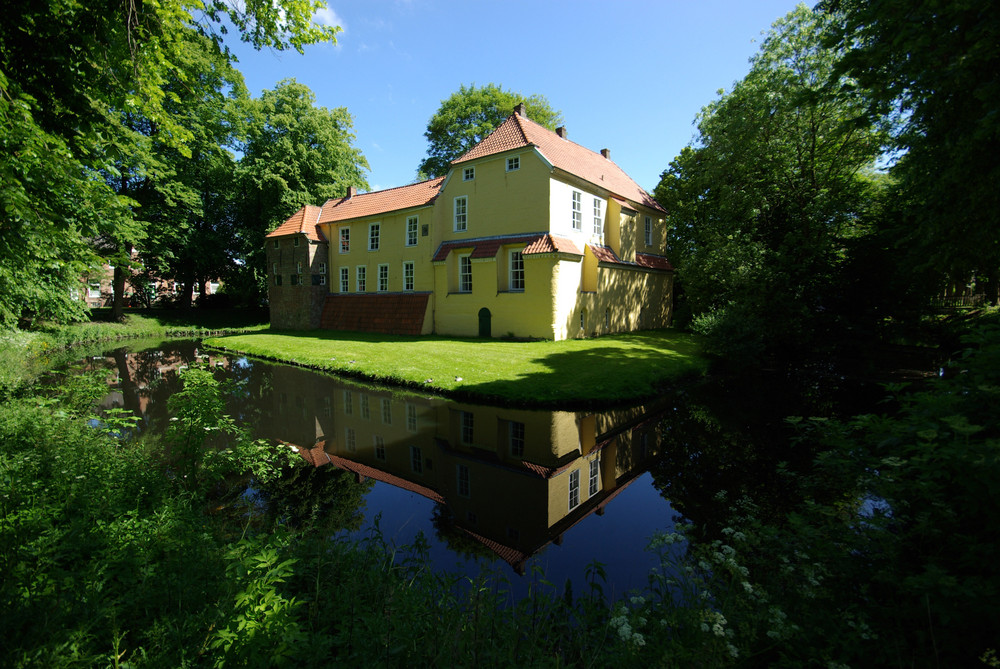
[411, 417]
[383, 278]
[345, 239]
[649, 231]
[94, 288]
[463, 482]
[274, 268]
[577, 210]
[412, 228]
[598, 218]
[515, 437]
[595, 477]
[466, 427]
[468, 174]
[409, 275]
[464, 277]
[322, 268]
[515, 262]
[361, 278]
[461, 213]
[374, 236]
[348, 403]
[574, 489]
[386, 411]
[513, 163]
[366, 413]
[298, 270]
[322, 279]
[345, 279]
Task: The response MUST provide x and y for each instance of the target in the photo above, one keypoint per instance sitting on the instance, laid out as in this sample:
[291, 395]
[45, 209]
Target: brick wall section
[394, 313]
[296, 307]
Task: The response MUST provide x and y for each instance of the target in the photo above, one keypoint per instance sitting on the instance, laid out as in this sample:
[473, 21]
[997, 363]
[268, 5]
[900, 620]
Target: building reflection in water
[513, 480]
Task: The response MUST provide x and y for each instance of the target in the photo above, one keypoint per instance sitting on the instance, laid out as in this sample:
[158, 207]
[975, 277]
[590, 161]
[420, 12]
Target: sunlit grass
[613, 368]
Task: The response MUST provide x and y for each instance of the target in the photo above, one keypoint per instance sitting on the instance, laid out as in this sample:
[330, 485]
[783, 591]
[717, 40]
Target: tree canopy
[470, 114]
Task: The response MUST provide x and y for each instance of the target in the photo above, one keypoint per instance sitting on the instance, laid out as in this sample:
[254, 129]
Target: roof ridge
[382, 190]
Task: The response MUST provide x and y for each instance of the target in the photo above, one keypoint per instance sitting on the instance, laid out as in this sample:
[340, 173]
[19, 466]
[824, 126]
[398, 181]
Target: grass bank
[617, 368]
[24, 355]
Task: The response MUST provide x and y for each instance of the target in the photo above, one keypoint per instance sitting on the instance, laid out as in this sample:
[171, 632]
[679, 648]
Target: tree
[930, 66]
[763, 205]
[70, 75]
[295, 154]
[469, 115]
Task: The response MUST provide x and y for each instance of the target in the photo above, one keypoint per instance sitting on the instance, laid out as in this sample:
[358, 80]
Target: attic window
[277, 244]
[468, 174]
[513, 163]
[295, 241]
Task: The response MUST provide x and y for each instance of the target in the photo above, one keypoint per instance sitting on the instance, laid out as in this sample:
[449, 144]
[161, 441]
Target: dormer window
[513, 163]
[468, 174]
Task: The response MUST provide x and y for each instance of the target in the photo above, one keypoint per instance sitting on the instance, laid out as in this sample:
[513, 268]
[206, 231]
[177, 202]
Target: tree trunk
[118, 285]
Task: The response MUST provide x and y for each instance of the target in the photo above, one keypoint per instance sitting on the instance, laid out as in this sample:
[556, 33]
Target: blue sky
[628, 76]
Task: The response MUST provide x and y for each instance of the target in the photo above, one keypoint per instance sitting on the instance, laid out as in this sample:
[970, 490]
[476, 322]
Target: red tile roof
[302, 221]
[653, 262]
[381, 201]
[647, 260]
[518, 132]
[389, 313]
[487, 247]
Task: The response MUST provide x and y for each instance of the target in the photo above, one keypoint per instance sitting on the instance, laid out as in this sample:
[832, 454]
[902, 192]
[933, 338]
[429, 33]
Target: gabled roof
[487, 247]
[302, 221]
[519, 132]
[381, 201]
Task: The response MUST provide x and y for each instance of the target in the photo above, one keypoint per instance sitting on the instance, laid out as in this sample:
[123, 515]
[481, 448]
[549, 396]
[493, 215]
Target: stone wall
[298, 281]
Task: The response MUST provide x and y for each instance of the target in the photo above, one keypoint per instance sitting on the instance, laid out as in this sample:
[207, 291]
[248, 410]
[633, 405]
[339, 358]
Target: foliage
[763, 205]
[469, 115]
[566, 373]
[929, 67]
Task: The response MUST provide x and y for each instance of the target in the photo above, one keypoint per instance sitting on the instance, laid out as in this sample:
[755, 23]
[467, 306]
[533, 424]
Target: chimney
[521, 109]
[561, 131]
[351, 192]
[606, 153]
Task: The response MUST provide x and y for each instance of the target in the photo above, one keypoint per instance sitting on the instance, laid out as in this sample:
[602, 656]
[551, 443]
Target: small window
[295, 241]
[462, 474]
[408, 275]
[277, 280]
[464, 274]
[94, 289]
[461, 214]
[274, 268]
[379, 448]
[583, 319]
[373, 236]
[468, 174]
[348, 403]
[319, 279]
[383, 278]
[350, 440]
[513, 163]
[574, 489]
[595, 479]
[468, 423]
[322, 268]
[363, 400]
[360, 278]
[386, 411]
[345, 279]
[516, 271]
[411, 417]
[515, 431]
[277, 244]
[425, 230]
[295, 280]
[649, 231]
[411, 231]
[298, 268]
[416, 460]
[345, 240]
[607, 318]
[598, 219]
[577, 210]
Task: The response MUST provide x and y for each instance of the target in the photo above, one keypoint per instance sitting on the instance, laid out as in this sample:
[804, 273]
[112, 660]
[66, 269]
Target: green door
[485, 322]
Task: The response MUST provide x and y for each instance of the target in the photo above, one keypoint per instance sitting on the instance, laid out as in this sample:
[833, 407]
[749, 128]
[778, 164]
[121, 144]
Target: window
[411, 417]
[386, 411]
[373, 236]
[595, 480]
[379, 448]
[574, 489]
[513, 163]
[361, 278]
[383, 278]
[468, 174]
[322, 268]
[516, 432]
[607, 319]
[411, 230]
[598, 219]
[327, 406]
[350, 440]
[461, 214]
[583, 319]
[464, 274]
[345, 279]
[277, 244]
[408, 275]
[298, 268]
[416, 461]
[467, 420]
[295, 242]
[274, 268]
[348, 403]
[577, 210]
[94, 288]
[364, 406]
[277, 280]
[516, 271]
[319, 279]
[462, 473]
[295, 280]
[649, 231]
[345, 240]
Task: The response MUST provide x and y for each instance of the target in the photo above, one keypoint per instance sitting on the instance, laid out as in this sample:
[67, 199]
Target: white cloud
[328, 17]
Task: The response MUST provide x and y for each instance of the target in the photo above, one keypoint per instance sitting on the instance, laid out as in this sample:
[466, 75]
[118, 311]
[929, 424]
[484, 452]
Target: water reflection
[478, 481]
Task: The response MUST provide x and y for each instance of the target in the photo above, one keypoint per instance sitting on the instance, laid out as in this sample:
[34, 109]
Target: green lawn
[573, 372]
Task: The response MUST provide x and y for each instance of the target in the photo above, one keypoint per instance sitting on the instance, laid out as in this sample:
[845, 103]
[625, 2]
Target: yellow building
[528, 235]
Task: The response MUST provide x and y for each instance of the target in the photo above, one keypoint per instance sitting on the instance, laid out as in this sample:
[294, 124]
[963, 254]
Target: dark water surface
[532, 494]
